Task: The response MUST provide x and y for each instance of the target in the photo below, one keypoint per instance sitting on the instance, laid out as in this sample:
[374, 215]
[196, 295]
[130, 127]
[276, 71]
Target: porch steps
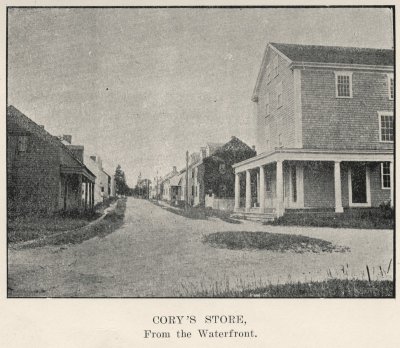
[255, 216]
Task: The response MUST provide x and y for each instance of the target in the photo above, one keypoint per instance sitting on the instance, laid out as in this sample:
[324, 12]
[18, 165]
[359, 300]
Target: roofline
[303, 65]
[254, 96]
[311, 152]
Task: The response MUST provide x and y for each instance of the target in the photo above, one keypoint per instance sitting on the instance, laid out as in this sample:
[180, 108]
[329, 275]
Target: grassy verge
[25, 228]
[371, 218]
[330, 288]
[239, 240]
[200, 213]
[112, 221]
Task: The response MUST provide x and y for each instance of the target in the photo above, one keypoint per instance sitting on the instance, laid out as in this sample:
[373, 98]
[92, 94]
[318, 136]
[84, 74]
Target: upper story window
[22, 143]
[390, 86]
[385, 175]
[344, 85]
[267, 136]
[276, 66]
[385, 127]
[267, 108]
[268, 73]
[279, 95]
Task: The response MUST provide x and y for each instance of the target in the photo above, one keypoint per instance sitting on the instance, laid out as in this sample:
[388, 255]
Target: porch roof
[78, 170]
[280, 154]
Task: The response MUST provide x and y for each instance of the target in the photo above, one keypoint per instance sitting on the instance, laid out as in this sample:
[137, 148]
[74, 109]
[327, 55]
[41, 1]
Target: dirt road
[158, 253]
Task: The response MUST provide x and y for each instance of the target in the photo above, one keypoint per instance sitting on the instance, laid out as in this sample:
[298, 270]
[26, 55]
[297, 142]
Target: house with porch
[44, 176]
[325, 131]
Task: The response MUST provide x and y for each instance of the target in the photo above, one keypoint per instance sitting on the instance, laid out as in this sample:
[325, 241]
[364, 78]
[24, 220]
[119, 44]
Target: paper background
[121, 322]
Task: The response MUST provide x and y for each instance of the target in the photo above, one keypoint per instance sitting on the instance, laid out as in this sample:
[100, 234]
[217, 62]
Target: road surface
[160, 254]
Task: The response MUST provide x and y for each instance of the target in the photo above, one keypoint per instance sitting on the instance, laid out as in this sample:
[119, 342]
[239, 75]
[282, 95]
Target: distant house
[210, 174]
[168, 193]
[102, 189]
[43, 175]
[325, 130]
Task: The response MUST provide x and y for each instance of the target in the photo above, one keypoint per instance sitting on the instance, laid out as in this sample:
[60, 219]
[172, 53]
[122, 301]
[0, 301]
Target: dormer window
[344, 84]
[390, 78]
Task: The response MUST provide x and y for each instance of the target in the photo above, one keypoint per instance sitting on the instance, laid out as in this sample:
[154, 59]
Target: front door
[359, 185]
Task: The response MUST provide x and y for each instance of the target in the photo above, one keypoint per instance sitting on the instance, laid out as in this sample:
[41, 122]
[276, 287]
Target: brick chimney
[67, 138]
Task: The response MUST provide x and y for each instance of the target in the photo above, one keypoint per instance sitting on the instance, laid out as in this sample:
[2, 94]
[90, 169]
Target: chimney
[254, 148]
[67, 138]
[77, 151]
[202, 153]
[174, 169]
[93, 158]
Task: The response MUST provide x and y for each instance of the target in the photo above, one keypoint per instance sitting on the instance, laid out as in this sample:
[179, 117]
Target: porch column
[92, 196]
[391, 184]
[86, 194]
[279, 189]
[237, 191]
[262, 189]
[80, 190]
[338, 188]
[258, 188]
[248, 190]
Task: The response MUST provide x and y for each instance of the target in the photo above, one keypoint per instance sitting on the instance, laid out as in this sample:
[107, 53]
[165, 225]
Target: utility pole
[187, 182]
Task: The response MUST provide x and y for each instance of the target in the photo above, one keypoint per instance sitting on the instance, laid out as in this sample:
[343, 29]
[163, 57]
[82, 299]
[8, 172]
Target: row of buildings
[47, 174]
[324, 135]
[209, 176]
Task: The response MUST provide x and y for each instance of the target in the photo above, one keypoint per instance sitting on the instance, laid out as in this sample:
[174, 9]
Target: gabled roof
[324, 55]
[336, 54]
[14, 115]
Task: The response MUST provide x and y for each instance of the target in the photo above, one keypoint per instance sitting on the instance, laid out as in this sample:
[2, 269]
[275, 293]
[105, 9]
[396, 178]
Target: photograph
[189, 152]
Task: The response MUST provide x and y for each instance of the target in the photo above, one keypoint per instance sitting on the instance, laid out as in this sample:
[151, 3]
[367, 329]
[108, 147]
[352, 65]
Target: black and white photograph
[200, 152]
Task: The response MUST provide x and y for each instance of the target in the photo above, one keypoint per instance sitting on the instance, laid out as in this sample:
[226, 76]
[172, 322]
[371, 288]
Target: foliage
[331, 288]
[365, 218]
[122, 187]
[219, 176]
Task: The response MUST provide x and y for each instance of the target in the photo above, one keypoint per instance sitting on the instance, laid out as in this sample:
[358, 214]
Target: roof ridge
[331, 46]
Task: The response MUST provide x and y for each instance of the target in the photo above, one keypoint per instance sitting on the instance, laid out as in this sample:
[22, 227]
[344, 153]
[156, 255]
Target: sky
[139, 87]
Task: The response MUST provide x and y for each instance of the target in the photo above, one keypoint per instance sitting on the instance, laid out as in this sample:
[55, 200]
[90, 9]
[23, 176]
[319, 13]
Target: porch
[271, 183]
[77, 189]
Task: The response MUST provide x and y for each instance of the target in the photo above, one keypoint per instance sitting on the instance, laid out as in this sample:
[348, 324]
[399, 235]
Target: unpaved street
[158, 253]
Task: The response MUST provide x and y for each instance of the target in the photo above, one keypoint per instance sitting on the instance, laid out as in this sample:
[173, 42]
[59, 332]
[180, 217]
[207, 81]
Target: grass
[239, 240]
[200, 213]
[112, 221]
[24, 228]
[369, 218]
[330, 288]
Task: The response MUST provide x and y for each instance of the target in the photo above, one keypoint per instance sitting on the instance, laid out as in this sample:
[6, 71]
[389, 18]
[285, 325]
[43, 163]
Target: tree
[122, 187]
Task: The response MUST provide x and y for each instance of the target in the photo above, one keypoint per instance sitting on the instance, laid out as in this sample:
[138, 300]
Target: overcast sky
[139, 87]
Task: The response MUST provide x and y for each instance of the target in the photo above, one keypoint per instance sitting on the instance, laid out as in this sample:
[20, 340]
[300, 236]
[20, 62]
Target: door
[359, 185]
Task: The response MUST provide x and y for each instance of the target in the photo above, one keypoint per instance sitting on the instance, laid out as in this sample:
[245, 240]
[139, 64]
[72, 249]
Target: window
[267, 112]
[22, 143]
[268, 73]
[222, 168]
[268, 179]
[385, 175]
[267, 136]
[276, 64]
[344, 85]
[390, 86]
[279, 95]
[385, 126]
